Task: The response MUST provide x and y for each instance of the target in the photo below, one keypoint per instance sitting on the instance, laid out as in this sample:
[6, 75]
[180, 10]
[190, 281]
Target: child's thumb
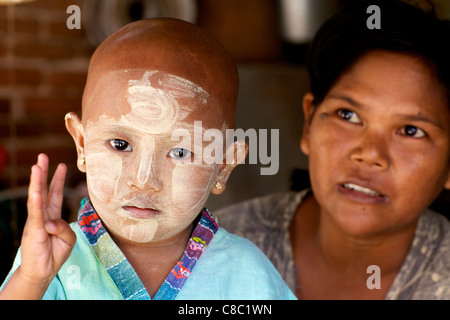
[62, 230]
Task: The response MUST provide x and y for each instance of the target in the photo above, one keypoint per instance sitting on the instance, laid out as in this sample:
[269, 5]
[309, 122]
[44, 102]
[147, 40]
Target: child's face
[144, 186]
[378, 144]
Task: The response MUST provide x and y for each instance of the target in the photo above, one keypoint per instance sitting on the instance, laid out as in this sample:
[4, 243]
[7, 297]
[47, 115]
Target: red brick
[83, 49]
[68, 79]
[59, 29]
[26, 26]
[52, 106]
[30, 127]
[2, 49]
[41, 125]
[5, 105]
[58, 127]
[26, 77]
[48, 50]
[56, 155]
[4, 130]
[57, 4]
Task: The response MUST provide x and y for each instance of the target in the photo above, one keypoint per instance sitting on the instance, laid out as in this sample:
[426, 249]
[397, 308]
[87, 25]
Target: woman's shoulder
[433, 236]
[425, 273]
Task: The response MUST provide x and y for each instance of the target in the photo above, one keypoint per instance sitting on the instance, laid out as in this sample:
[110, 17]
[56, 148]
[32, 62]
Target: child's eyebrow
[119, 128]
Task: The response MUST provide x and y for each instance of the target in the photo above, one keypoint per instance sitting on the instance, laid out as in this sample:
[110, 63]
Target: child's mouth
[141, 213]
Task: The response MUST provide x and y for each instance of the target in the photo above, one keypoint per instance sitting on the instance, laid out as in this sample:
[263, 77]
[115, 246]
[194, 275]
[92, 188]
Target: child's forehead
[129, 82]
[154, 101]
[151, 93]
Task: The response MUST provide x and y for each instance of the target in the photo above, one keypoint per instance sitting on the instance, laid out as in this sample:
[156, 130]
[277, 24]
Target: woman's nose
[372, 150]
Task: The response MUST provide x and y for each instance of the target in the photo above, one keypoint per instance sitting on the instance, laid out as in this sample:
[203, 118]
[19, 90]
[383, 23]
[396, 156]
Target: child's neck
[153, 261]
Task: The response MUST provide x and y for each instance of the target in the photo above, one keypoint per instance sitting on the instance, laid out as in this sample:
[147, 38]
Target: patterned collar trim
[121, 271]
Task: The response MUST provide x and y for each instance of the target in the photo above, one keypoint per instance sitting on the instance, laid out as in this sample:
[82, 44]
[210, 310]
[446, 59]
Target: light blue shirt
[230, 267]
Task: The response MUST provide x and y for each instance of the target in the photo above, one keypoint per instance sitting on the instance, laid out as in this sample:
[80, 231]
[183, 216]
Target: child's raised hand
[47, 239]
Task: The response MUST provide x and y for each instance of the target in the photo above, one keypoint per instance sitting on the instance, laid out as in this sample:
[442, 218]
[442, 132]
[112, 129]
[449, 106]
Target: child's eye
[179, 153]
[412, 131]
[120, 145]
[348, 115]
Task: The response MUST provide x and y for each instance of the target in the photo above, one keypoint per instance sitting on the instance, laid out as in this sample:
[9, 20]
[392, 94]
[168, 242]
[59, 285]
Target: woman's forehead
[384, 74]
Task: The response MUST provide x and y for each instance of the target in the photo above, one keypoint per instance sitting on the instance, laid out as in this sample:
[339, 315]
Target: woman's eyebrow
[349, 100]
[411, 117]
[421, 118]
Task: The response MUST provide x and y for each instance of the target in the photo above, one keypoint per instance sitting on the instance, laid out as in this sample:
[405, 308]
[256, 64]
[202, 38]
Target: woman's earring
[218, 186]
[81, 161]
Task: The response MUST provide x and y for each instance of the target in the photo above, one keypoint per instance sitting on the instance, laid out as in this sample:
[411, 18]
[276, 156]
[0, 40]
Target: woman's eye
[412, 131]
[179, 153]
[348, 115]
[120, 145]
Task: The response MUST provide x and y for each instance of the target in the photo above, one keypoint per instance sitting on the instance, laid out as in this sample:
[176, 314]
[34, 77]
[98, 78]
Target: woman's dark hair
[345, 37]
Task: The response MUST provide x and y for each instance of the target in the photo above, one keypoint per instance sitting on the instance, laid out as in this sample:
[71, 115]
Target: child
[377, 133]
[140, 234]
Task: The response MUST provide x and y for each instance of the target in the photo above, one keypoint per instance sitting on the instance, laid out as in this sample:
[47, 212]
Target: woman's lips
[361, 194]
[141, 213]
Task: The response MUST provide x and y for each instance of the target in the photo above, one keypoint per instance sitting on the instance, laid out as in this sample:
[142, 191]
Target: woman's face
[379, 144]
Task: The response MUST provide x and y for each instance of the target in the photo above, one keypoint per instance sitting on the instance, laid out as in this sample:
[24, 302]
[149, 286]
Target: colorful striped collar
[121, 271]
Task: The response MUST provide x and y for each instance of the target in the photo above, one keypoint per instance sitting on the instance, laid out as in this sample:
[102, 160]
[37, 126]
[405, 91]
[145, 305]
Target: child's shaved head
[174, 47]
[157, 92]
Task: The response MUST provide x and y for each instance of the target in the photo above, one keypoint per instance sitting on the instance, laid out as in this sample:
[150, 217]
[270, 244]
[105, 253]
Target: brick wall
[43, 68]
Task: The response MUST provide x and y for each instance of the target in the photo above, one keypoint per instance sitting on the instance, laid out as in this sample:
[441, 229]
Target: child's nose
[147, 177]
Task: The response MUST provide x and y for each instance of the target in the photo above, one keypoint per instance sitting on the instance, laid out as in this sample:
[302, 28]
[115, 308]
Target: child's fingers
[62, 230]
[56, 192]
[34, 203]
[42, 162]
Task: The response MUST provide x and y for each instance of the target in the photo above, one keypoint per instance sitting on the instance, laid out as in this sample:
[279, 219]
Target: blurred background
[43, 67]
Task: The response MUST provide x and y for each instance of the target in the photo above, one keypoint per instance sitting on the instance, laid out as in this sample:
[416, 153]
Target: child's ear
[76, 130]
[308, 111]
[234, 155]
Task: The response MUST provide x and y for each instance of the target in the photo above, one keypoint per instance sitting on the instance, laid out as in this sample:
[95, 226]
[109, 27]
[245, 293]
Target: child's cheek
[102, 173]
[191, 184]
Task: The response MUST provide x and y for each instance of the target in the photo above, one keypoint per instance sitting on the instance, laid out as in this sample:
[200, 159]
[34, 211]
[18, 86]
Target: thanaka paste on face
[178, 191]
[160, 105]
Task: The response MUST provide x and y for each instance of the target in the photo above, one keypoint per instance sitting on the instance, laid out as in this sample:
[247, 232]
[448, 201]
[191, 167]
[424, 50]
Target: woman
[377, 133]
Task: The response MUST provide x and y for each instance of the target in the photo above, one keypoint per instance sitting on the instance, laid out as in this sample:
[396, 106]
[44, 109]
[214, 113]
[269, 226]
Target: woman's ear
[308, 111]
[76, 130]
[447, 183]
[234, 155]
